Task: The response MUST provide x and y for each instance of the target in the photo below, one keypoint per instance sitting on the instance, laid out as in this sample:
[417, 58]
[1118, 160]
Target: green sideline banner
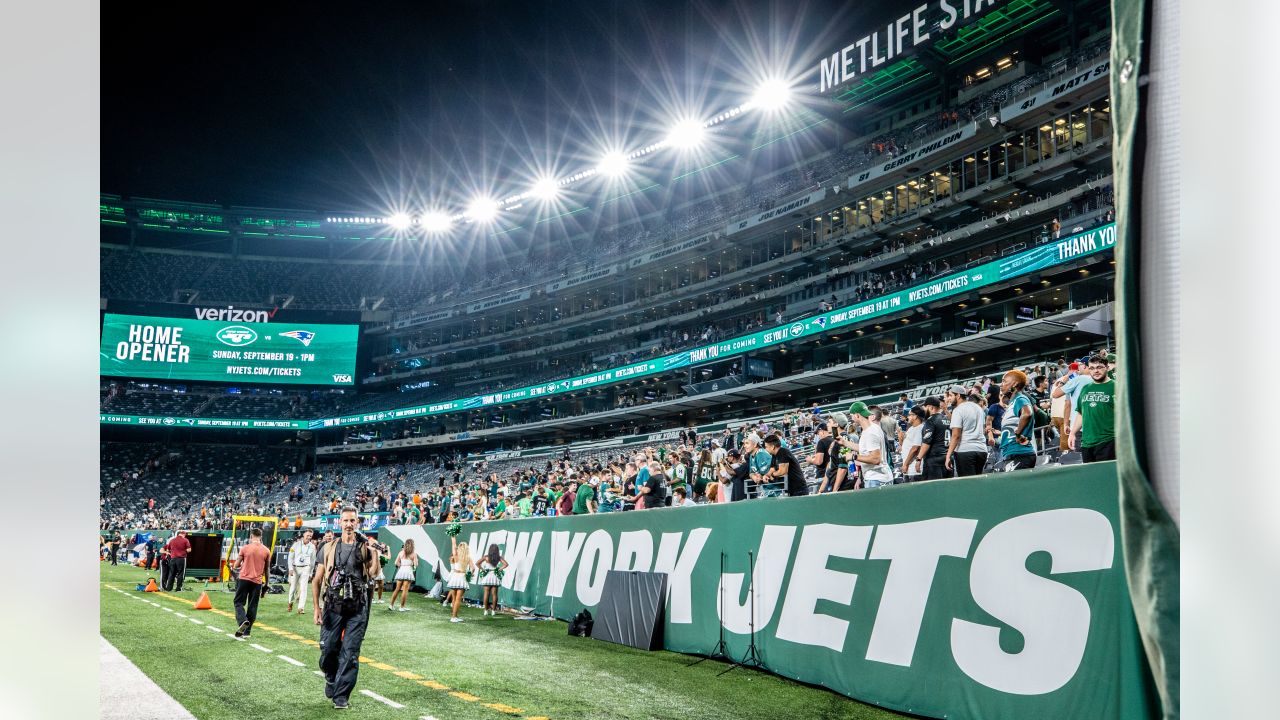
[993, 597]
[217, 351]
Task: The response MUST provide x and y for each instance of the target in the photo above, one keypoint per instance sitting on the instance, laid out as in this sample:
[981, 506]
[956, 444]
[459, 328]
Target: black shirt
[540, 504]
[824, 447]
[937, 434]
[795, 474]
[348, 557]
[657, 497]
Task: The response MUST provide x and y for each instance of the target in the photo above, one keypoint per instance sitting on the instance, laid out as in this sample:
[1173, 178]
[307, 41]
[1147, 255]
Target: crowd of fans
[1041, 414]
[158, 399]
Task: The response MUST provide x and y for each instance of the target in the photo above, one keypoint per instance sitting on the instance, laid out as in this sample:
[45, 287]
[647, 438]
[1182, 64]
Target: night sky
[349, 108]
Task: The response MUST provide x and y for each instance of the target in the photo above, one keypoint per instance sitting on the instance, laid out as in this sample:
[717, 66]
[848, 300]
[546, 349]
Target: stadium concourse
[860, 328]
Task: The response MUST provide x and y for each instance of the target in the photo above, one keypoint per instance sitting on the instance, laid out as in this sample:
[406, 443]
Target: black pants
[115, 554]
[246, 602]
[340, 639]
[1099, 452]
[177, 571]
[968, 464]
[1018, 462]
[166, 574]
[934, 469]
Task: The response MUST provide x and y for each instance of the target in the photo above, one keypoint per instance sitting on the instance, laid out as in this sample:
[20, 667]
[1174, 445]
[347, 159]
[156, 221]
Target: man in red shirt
[178, 546]
[253, 574]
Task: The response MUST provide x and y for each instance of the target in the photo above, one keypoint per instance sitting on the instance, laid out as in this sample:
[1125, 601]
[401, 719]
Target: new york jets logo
[236, 336]
[168, 421]
[796, 329]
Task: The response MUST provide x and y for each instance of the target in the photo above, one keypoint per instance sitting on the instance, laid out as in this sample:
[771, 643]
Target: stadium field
[419, 665]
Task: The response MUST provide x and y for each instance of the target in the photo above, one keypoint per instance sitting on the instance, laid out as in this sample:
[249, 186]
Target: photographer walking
[343, 573]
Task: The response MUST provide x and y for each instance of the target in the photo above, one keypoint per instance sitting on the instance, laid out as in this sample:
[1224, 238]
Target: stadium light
[771, 95]
[436, 222]
[399, 221]
[686, 134]
[482, 209]
[546, 189]
[612, 164]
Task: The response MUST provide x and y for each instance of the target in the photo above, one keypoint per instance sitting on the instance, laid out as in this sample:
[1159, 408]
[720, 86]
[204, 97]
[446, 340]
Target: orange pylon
[151, 586]
[203, 603]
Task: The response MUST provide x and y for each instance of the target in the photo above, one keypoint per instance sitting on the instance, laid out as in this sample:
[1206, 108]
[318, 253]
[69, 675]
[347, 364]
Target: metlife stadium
[928, 201]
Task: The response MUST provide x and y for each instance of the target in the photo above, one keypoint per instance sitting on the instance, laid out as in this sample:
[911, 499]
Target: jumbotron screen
[218, 351]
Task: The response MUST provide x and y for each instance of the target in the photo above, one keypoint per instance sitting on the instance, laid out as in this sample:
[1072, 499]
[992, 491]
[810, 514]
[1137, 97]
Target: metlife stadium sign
[873, 50]
[225, 351]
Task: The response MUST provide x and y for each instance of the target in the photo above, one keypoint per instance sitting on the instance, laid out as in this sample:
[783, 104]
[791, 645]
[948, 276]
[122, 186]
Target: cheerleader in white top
[492, 566]
[459, 568]
[406, 571]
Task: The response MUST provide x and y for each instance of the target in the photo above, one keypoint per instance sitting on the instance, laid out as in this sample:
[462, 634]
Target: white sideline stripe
[198, 622]
[256, 646]
[180, 615]
[233, 637]
[318, 672]
[167, 609]
[210, 627]
[379, 698]
[126, 693]
[291, 661]
[427, 717]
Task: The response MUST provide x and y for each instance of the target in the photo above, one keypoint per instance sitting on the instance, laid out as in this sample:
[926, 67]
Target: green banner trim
[996, 597]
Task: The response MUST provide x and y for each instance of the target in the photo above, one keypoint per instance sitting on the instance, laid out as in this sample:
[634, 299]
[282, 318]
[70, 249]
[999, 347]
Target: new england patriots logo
[302, 336]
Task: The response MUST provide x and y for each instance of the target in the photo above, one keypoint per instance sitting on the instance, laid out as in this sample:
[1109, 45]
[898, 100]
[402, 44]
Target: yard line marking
[210, 627]
[433, 684]
[427, 717]
[256, 646]
[198, 622]
[166, 609]
[379, 698]
[318, 672]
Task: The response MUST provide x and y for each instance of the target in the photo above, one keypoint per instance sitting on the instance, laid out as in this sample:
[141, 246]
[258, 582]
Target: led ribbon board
[220, 351]
[1046, 256]
[1059, 252]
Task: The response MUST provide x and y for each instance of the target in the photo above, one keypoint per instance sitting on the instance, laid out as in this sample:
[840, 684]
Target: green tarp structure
[1003, 596]
[1150, 539]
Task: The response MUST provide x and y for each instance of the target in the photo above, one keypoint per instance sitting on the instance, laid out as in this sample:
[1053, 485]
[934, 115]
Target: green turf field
[486, 667]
